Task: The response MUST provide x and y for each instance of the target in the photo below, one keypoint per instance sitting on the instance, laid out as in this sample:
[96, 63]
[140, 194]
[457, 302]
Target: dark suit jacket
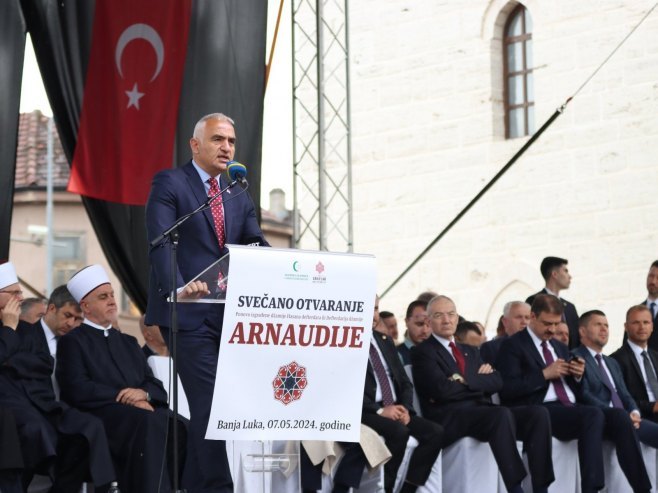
[433, 366]
[174, 193]
[521, 366]
[401, 383]
[593, 391]
[90, 372]
[632, 374]
[489, 350]
[653, 338]
[405, 353]
[570, 316]
[34, 366]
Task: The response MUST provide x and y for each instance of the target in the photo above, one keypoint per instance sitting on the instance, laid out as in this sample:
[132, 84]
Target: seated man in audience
[603, 385]
[468, 333]
[454, 385]
[32, 309]
[105, 373]
[516, 315]
[154, 344]
[388, 409]
[562, 333]
[537, 369]
[639, 362]
[417, 329]
[54, 437]
[391, 324]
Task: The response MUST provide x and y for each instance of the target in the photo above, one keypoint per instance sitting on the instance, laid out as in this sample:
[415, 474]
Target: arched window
[519, 83]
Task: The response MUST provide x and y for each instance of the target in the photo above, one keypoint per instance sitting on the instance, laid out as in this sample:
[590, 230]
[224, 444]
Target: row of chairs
[464, 467]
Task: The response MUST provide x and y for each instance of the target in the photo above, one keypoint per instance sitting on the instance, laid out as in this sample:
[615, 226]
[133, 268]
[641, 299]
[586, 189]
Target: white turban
[7, 275]
[86, 280]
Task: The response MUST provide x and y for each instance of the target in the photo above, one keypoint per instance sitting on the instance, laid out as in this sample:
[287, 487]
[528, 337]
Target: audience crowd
[79, 403]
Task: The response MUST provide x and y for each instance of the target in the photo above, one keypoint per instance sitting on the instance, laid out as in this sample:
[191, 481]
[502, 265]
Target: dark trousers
[648, 433]
[395, 434]
[348, 473]
[71, 464]
[619, 429]
[533, 428]
[491, 424]
[585, 424]
[197, 366]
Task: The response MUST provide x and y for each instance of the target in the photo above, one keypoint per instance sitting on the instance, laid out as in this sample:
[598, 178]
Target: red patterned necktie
[217, 211]
[382, 377]
[459, 357]
[560, 390]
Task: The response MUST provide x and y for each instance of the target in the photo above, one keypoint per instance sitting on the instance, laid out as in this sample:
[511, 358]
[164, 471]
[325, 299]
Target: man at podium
[203, 239]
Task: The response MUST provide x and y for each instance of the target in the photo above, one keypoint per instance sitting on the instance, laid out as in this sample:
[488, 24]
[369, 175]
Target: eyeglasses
[438, 315]
[15, 292]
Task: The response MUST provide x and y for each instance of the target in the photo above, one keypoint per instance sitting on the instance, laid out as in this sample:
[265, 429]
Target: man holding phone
[537, 369]
[604, 386]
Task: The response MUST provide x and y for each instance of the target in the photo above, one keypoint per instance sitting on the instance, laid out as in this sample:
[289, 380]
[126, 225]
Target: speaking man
[202, 240]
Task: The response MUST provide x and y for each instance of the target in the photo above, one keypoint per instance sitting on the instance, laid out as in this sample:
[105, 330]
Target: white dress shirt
[551, 394]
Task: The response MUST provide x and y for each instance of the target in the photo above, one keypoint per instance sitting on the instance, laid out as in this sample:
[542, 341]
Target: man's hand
[577, 368]
[194, 291]
[485, 369]
[131, 396]
[11, 312]
[405, 418]
[144, 405]
[559, 368]
[636, 419]
[395, 412]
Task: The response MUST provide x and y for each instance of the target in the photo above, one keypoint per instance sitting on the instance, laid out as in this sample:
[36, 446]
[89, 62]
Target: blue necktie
[614, 396]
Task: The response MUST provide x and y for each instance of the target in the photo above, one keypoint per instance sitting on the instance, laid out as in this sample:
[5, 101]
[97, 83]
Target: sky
[277, 120]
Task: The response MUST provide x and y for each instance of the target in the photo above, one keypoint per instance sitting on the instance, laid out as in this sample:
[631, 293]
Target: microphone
[237, 172]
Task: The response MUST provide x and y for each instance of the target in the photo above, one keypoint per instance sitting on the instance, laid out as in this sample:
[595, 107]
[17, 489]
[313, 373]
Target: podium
[215, 276]
[289, 315]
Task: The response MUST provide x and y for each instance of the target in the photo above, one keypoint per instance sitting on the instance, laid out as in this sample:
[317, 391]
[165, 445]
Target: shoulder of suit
[129, 338]
[619, 351]
[562, 346]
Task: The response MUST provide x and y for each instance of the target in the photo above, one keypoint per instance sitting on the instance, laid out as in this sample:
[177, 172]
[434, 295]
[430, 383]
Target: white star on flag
[134, 96]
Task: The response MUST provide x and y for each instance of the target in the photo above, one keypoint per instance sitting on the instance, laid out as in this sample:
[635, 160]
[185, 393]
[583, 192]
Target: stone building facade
[428, 116]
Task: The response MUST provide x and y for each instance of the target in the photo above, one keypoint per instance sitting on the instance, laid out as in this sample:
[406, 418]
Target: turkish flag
[130, 103]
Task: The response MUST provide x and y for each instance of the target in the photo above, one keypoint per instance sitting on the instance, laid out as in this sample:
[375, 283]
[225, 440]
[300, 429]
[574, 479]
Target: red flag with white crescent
[130, 103]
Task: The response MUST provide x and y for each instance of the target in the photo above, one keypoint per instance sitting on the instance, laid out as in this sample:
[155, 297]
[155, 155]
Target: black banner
[224, 72]
[12, 43]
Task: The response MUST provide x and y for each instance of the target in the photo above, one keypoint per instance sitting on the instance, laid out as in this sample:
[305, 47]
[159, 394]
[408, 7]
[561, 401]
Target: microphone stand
[172, 234]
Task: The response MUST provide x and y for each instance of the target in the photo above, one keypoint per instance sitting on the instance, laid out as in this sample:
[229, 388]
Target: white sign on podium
[294, 346]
